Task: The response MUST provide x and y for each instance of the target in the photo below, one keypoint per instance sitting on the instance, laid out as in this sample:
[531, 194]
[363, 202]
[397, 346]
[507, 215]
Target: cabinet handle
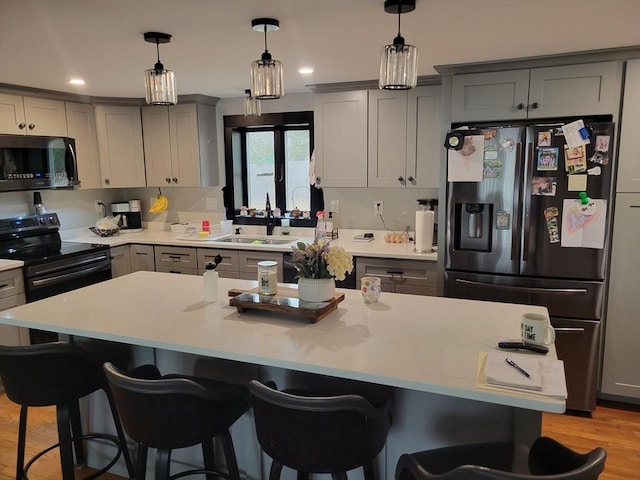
[4, 285]
[520, 106]
[634, 206]
[107, 181]
[141, 253]
[167, 179]
[401, 180]
[31, 126]
[535, 105]
[174, 271]
[21, 126]
[174, 257]
[411, 179]
[318, 180]
[175, 180]
[569, 329]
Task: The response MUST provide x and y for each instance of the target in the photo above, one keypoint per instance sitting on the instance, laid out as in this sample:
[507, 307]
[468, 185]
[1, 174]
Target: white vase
[316, 289]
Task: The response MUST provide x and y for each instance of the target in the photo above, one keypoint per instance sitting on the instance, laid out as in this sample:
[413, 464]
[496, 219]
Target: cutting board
[286, 301]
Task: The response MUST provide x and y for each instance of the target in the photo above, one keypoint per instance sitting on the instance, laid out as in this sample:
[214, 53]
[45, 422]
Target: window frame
[279, 123]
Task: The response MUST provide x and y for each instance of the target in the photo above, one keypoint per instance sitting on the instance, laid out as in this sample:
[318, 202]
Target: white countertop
[376, 248]
[10, 264]
[422, 343]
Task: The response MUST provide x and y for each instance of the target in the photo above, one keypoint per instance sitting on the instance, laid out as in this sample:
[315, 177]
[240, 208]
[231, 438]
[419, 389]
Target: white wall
[76, 208]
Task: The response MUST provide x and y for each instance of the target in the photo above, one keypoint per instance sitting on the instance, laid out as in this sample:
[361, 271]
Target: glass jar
[267, 277]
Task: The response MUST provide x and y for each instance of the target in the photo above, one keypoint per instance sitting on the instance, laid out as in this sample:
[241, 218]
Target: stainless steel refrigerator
[534, 229]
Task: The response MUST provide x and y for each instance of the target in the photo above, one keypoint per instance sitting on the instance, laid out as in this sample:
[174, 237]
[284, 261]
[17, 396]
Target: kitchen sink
[257, 240]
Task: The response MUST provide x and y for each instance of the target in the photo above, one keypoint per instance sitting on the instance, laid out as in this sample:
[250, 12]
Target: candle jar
[267, 277]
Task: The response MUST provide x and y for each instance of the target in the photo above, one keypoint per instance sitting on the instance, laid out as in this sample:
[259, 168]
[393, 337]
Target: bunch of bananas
[160, 204]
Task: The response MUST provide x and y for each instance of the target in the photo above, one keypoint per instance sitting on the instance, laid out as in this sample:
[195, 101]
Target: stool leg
[302, 475]
[369, 471]
[276, 469]
[163, 464]
[209, 456]
[22, 438]
[141, 464]
[64, 437]
[339, 476]
[76, 432]
[230, 455]
[121, 437]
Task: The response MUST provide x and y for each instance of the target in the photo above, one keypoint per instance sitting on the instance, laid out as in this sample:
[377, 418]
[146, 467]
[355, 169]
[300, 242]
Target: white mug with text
[536, 328]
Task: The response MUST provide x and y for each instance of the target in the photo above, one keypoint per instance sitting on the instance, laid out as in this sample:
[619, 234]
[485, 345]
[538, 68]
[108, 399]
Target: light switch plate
[211, 203]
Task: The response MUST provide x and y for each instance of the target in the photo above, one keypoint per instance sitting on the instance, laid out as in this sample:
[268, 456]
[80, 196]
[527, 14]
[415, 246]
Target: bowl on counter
[101, 232]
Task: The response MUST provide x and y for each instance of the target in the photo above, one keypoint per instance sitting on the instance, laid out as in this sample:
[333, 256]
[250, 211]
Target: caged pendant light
[399, 61]
[252, 107]
[159, 84]
[266, 74]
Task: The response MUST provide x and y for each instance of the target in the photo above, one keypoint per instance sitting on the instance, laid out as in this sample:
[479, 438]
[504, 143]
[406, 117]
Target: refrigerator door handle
[517, 195]
[513, 288]
[529, 229]
[567, 329]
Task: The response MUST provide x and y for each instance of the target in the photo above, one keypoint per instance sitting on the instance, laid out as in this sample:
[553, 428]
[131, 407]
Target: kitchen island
[422, 351]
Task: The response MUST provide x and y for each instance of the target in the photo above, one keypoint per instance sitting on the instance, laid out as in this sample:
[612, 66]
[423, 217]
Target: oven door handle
[46, 271]
[45, 282]
[513, 288]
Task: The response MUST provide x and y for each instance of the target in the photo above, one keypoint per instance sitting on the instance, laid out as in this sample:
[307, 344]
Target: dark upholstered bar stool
[312, 434]
[59, 374]
[173, 411]
[547, 459]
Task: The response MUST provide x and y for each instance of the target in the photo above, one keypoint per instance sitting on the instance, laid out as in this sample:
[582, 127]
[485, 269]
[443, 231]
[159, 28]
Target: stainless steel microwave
[36, 163]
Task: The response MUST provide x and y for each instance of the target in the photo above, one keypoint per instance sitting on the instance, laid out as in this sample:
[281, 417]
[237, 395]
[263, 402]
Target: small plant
[320, 259]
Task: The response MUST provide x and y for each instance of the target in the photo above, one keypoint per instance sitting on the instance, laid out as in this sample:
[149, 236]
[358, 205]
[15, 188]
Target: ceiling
[44, 43]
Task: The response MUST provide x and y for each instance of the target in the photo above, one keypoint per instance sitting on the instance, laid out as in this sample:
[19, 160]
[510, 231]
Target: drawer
[229, 261]
[177, 269]
[175, 257]
[400, 276]
[11, 282]
[142, 258]
[248, 263]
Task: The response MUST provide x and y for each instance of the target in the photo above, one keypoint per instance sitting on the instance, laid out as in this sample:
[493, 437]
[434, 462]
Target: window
[269, 155]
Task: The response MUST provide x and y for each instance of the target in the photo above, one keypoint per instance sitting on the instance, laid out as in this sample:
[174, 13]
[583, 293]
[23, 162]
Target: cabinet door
[142, 258]
[340, 121]
[157, 146]
[248, 263]
[185, 154]
[621, 366]
[120, 146]
[10, 335]
[81, 125]
[490, 96]
[387, 138]
[120, 261]
[629, 156]
[45, 117]
[588, 89]
[12, 115]
[424, 137]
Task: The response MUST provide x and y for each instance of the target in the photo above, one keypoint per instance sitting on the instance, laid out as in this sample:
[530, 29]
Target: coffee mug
[370, 287]
[536, 328]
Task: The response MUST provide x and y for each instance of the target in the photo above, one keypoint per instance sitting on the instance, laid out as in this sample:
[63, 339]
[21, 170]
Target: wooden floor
[616, 427]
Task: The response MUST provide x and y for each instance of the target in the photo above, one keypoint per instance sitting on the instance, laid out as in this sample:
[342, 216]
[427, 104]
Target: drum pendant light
[267, 76]
[159, 84]
[399, 61]
[252, 107]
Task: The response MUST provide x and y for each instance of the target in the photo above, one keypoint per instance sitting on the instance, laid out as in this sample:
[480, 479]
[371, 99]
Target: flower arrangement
[320, 259]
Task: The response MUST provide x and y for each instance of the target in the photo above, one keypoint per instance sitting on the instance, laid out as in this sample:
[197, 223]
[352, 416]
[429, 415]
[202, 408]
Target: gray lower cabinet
[227, 268]
[142, 258]
[248, 263]
[176, 260]
[120, 261]
[621, 364]
[400, 276]
[12, 295]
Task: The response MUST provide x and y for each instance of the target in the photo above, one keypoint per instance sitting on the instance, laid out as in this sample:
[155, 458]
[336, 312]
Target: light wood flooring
[616, 427]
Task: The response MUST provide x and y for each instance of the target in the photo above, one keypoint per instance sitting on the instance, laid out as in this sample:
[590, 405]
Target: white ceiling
[43, 43]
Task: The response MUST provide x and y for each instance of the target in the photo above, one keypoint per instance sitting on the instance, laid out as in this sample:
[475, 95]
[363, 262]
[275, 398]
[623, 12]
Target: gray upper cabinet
[404, 138]
[180, 145]
[340, 121]
[32, 116]
[81, 124]
[629, 157]
[569, 90]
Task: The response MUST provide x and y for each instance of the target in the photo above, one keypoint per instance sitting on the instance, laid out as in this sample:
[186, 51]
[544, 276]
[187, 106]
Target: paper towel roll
[424, 230]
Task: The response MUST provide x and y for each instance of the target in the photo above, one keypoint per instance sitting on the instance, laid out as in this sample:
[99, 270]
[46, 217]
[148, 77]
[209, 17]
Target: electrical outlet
[211, 203]
[97, 206]
[378, 207]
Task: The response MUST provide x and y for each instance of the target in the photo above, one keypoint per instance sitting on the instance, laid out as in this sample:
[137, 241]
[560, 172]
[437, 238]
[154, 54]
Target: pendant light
[399, 61]
[252, 107]
[159, 84]
[266, 74]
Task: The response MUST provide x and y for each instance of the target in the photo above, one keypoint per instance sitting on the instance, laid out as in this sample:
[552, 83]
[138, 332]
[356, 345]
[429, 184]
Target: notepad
[499, 373]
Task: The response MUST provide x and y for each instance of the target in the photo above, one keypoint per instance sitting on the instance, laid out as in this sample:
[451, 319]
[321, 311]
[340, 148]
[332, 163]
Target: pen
[517, 367]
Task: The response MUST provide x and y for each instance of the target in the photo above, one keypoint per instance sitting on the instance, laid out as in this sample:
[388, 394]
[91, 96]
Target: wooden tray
[286, 301]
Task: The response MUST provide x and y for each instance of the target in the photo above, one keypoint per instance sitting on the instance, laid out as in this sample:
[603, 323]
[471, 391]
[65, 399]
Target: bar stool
[313, 434]
[59, 374]
[174, 411]
[547, 458]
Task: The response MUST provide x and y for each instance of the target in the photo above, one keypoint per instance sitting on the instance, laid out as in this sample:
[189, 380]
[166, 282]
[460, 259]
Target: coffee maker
[130, 215]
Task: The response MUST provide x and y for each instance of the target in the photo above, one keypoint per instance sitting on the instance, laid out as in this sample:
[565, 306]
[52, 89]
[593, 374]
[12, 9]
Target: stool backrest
[48, 373]
[318, 434]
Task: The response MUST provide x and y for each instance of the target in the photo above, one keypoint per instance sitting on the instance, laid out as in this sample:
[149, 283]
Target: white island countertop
[428, 344]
